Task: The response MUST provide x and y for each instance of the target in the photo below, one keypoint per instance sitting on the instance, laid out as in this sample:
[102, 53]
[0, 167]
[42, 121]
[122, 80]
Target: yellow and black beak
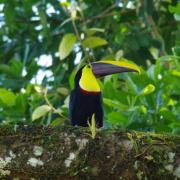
[106, 67]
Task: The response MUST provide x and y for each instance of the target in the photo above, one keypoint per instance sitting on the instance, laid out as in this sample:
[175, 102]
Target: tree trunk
[64, 153]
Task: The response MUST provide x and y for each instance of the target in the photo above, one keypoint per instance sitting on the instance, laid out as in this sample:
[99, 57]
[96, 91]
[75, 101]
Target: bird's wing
[71, 103]
[99, 112]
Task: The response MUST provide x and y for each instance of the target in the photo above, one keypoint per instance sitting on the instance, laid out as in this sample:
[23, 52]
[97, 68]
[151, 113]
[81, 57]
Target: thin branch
[75, 29]
[155, 33]
[51, 106]
[79, 38]
[101, 15]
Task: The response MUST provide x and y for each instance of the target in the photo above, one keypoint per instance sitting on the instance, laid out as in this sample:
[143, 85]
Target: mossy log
[31, 152]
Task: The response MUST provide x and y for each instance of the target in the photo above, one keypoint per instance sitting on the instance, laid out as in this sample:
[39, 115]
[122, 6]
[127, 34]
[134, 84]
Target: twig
[138, 155]
[79, 38]
[75, 29]
[51, 106]
[155, 33]
[150, 146]
[101, 15]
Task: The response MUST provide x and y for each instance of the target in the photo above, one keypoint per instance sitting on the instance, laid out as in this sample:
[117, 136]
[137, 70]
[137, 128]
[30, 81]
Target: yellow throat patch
[88, 81]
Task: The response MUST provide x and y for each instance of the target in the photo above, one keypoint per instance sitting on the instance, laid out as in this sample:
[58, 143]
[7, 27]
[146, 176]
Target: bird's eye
[88, 66]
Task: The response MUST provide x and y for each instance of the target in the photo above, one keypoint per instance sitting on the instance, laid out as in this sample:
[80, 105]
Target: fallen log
[63, 153]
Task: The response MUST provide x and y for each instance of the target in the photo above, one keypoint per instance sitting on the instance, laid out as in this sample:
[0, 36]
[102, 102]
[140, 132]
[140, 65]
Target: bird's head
[86, 77]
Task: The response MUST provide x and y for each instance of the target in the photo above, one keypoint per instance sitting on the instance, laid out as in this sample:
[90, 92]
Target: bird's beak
[103, 68]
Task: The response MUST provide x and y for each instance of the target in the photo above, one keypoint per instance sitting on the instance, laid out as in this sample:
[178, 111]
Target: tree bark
[63, 153]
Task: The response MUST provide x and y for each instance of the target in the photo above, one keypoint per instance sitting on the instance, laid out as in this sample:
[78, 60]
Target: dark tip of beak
[102, 69]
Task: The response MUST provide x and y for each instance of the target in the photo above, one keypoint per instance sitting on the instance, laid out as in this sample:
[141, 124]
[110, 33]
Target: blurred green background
[43, 42]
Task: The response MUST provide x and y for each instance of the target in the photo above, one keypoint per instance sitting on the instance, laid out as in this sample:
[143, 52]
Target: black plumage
[84, 104]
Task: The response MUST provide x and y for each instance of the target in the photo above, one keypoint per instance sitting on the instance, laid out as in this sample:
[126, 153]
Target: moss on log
[36, 152]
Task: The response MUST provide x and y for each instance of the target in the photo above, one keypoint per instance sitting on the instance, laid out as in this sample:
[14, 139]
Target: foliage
[150, 100]
[142, 31]
[92, 127]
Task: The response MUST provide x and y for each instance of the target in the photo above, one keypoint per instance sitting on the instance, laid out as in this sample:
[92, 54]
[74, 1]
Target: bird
[86, 97]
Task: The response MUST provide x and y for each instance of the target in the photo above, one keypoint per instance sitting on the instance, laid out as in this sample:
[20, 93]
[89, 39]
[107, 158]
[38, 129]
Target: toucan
[86, 97]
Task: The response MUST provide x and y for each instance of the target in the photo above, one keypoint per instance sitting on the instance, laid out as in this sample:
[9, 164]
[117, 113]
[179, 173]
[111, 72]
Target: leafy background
[43, 42]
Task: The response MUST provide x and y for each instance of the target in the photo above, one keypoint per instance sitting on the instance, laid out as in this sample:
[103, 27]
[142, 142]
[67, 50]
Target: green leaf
[7, 97]
[176, 131]
[167, 115]
[66, 45]
[132, 87]
[92, 127]
[43, 18]
[114, 104]
[159, 127]
[117, 118]
[93, 42]
[92, 31]
[176, 51]
[148, 89]
[65, 4]
[4, 68]
[177, 17]
[16, 68]
[21, 103]
[62, 90]
[168, 58]
[13, 70]
[57, 122]
[71, 78]
[175, 9]
[175, 73]
[40, 111]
